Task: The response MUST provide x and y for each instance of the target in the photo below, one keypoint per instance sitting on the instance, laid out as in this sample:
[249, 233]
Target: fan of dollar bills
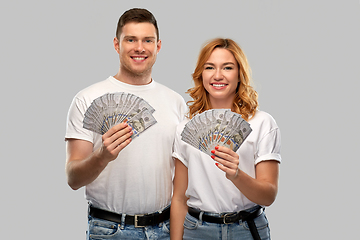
[216, 127]
[113, 108]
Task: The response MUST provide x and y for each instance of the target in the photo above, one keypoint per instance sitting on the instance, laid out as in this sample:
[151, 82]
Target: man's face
[137, 47]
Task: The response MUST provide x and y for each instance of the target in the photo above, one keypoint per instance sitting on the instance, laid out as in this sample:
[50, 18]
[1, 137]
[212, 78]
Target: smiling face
[137, 47]
[221, 77]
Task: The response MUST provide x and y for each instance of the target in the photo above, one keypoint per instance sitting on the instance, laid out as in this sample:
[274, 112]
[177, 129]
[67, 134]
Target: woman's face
[221, 78]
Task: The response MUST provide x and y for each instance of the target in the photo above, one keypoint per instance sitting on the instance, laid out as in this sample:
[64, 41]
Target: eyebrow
[226, 63]
[130, 36]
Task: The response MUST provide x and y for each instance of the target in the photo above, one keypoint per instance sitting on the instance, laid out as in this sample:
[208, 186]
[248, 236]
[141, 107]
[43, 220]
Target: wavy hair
[246, 98]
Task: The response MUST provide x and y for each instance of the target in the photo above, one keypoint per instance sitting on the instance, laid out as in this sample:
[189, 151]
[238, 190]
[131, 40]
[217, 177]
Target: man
[128, 181]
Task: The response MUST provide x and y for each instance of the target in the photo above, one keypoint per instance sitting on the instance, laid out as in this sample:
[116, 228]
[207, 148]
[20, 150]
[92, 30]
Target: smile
[218, 85]
[139, 58]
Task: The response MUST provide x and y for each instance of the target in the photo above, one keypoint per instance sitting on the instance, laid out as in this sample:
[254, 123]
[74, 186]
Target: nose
[218, 75]
[139, 47]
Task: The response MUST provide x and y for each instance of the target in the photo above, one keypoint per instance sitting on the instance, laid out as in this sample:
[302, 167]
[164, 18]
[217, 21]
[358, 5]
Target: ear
[116, 45]
[158, 45]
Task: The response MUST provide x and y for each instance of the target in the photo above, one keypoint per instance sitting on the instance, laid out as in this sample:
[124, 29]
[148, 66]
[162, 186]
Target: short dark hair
[138, 15]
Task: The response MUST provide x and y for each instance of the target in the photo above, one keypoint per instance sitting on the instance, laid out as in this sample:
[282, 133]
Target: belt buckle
[227, 215]
[136, 220]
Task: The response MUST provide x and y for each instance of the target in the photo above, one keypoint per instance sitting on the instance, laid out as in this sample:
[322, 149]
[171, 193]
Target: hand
[228, 159]
[114, 140]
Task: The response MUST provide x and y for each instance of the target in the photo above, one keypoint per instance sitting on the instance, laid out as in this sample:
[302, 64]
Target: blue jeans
[197, 229]
[99, 229]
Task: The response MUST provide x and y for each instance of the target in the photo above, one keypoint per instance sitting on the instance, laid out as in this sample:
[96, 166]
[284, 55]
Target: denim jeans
[99, 229]
[198, 229]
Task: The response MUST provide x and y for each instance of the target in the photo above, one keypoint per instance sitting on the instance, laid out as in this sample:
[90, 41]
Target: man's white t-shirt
[140, 179]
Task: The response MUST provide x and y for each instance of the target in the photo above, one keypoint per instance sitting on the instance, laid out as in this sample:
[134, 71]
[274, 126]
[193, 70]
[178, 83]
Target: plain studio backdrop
[304, 57]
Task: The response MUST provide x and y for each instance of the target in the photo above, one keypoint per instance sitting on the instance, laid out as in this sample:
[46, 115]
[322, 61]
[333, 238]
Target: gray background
[305, 61]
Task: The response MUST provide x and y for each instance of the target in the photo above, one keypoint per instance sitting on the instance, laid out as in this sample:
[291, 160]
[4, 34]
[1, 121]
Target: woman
[225, 194]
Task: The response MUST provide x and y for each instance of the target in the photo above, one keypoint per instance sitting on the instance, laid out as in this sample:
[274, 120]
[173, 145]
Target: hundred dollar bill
[234, 126]
[141, 121]
[224, 122]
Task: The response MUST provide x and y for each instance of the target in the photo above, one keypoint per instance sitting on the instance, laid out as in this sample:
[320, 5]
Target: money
[216, 127]
[113, 108]
[141, 121]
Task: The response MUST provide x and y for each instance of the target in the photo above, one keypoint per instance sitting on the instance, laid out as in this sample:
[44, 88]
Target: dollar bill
[141, 121]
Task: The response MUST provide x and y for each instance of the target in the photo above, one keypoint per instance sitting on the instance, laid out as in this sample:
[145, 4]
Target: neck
[222, 104]
[133, 79]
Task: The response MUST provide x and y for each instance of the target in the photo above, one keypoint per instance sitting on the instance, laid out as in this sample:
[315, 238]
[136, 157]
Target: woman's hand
[262, 189]
[227, 160]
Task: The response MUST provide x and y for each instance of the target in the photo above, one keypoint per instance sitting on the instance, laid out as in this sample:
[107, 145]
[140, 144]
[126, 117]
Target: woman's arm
[262, 189]
[178, 204]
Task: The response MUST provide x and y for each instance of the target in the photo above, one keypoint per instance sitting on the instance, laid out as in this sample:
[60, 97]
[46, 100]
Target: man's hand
[114, 140]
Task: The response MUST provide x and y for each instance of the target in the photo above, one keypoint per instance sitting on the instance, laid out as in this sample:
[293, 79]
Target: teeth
[219, 85]
[139, 58]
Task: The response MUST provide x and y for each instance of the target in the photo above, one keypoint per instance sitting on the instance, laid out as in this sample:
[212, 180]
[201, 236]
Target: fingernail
[213, 151]
[213, 156]
[217, 164]
[217, 147]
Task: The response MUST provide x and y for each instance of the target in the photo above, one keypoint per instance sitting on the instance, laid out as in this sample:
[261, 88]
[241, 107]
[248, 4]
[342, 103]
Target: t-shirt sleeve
[269, 147]
[269, 139]
[178, 146]
[74, 127]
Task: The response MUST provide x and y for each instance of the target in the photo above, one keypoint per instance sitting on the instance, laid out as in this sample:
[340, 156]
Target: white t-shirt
[208, 188]
[140, 179]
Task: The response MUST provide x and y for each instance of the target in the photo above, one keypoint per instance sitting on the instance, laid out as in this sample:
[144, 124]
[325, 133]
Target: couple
[129, 182]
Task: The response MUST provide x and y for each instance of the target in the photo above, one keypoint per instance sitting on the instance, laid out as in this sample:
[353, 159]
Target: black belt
[140, 220]
[228, 218]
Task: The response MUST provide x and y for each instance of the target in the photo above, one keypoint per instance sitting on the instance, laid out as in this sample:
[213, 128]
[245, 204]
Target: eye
[148, 41]
[130, 40]
[209, 67]
[228, 68]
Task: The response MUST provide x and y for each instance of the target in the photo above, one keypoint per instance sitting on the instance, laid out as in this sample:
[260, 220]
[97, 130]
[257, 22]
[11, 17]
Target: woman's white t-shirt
[208, 188]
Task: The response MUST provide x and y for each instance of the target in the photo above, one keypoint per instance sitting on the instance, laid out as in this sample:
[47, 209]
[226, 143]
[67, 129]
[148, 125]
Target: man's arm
[83, 165]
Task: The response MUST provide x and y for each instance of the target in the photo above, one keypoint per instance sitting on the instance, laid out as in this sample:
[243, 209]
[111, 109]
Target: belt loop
[200, 217]
[122, 226]
[89, 209]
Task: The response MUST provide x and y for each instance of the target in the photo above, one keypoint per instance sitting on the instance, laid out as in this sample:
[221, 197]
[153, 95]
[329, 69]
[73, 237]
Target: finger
[121, 135]
[225, 156]
[221, 167]
[230, 173]
[220, 155]
[115, 129]
[112, 148]
[226, 150]
[121, 138]
[122, 145]
[230, 164]
[117, 132]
